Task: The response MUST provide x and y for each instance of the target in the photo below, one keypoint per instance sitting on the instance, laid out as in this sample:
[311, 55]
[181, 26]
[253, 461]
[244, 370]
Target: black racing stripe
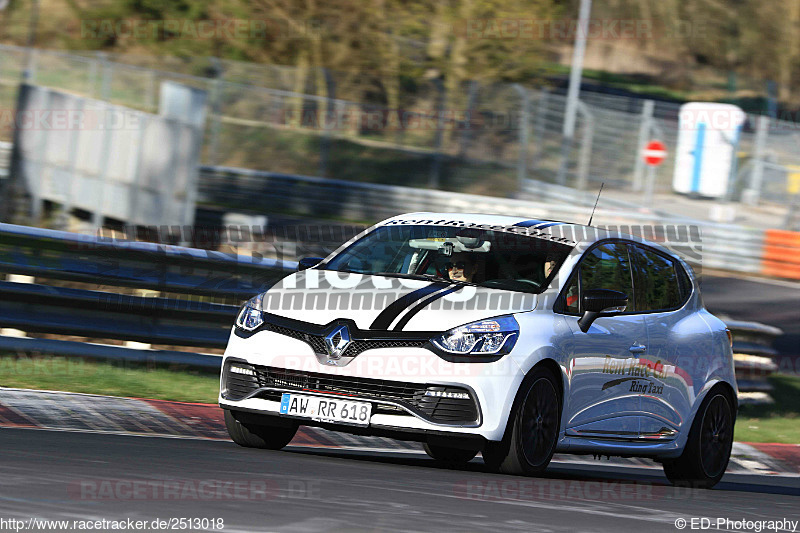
[529, 223]
[537, 224]
[387, 316]
[417, 308]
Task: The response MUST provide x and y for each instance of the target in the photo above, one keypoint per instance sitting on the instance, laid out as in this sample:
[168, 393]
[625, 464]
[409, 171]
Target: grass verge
[778, 422]
[109, 378]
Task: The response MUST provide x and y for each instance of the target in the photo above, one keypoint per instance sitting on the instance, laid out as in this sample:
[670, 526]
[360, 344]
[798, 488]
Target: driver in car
[461, 267]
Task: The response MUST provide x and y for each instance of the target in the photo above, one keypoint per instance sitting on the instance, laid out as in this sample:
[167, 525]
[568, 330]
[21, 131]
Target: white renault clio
[473, 333]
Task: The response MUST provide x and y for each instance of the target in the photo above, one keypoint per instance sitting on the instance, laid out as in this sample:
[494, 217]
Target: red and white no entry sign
[654, 153]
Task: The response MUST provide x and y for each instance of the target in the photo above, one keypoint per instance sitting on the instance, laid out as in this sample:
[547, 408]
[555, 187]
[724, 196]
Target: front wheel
[708, 449]
[258, 436]
[535, 431]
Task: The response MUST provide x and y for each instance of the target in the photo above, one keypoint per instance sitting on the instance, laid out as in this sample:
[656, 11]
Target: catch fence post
[524, 118]
[585, 154]
[645, 125]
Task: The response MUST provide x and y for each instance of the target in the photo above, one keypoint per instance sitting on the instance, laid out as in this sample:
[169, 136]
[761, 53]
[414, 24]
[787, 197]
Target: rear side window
[658, 284]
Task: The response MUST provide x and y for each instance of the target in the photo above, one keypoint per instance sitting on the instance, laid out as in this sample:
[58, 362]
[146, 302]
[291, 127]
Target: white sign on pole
[708, 134]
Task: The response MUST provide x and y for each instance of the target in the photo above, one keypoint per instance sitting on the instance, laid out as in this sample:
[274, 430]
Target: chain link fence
[494, 139]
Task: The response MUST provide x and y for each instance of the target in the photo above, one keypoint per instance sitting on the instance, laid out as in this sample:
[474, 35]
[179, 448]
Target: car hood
[388, 303]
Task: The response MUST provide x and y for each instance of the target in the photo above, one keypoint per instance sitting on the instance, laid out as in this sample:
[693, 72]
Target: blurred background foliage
[709, 49]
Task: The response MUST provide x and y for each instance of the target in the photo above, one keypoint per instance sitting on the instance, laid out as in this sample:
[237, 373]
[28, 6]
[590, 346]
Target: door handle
[638, 348]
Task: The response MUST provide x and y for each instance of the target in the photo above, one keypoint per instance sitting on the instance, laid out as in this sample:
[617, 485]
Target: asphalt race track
[772, 302]
[80, 476]
[71, 475]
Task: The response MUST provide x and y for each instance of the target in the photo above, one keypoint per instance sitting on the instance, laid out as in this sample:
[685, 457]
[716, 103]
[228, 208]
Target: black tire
[258, 436]
[535, 430]
[449, 456]
[708, 448]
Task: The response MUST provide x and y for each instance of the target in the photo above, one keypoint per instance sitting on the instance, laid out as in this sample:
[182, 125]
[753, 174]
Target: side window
[608, 266]
[658, 284]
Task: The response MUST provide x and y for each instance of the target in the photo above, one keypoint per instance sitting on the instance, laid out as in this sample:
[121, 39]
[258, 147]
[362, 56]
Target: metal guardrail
[57, 255]
[753, 337]
[753, 355]
[109, 352]
[95, 314]
[166, 268]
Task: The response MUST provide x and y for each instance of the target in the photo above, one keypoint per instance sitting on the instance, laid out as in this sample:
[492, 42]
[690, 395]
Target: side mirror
[601, 302]
[308, 262]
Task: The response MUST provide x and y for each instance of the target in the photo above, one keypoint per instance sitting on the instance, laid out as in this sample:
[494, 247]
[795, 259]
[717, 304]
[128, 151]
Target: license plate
[326, 409]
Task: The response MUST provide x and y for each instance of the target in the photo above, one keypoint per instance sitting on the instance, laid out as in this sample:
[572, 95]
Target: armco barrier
[109, 352]
[753, 353]
[781, 254]
[58, 255]
[84, 258]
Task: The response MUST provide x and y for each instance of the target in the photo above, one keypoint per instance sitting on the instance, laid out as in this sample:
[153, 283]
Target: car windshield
[497, 259]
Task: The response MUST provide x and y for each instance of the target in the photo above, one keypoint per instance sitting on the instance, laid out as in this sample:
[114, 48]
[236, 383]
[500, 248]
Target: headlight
[495, 336]
[250, 317]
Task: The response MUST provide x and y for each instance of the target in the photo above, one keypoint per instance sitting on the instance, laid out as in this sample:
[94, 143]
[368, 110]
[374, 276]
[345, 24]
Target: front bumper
[441, 437]
[438, 404]
[394, 380]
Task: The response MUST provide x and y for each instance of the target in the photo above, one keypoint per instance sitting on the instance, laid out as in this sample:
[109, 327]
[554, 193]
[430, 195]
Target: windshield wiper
[425, 277]
[342, 270]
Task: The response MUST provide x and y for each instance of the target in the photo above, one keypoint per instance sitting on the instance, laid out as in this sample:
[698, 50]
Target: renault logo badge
[337, 341]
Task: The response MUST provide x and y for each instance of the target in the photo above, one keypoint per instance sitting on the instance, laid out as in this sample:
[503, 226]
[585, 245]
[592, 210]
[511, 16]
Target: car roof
[578, 233]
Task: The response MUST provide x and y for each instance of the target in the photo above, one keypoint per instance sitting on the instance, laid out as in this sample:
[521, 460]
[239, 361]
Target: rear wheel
[258, 436]
[449, 456]
[708, 449]
[535, 430]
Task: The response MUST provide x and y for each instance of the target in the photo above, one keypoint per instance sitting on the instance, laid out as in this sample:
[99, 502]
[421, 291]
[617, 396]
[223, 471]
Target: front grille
[411, 395]
[317, 342]
[356, 346]
[378, 389]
